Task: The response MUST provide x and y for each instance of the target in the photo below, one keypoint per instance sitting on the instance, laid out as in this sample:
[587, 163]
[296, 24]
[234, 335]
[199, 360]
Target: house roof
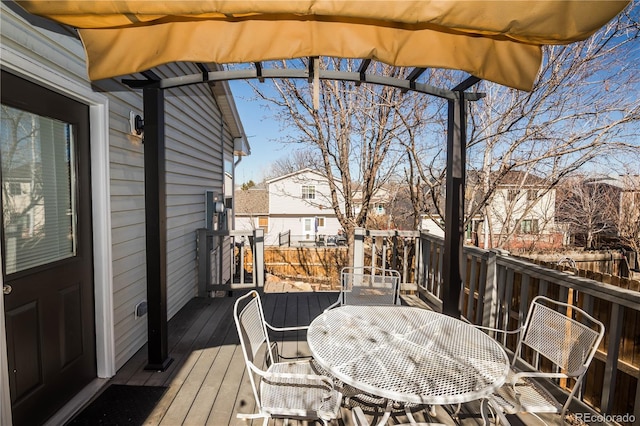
[254, 201]
[516, 177]
[299, 172]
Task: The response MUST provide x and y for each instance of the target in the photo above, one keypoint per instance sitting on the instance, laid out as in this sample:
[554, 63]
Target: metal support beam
[156, 228]
[467, 83]
[307, 74]
[258, 66]
[362, 70]
[204, 69]
[312, 68]
[454, 206]
[413, 76]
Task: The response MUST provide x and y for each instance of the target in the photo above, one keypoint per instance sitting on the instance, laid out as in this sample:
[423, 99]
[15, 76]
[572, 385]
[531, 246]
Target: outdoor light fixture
[136, 124]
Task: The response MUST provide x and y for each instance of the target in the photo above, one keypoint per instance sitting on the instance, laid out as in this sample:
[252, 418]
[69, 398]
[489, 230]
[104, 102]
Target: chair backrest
[564, 334]
[369, 286]
[252, 331]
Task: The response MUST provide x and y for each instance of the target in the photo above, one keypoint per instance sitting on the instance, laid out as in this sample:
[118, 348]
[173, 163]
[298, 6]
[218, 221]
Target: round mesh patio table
[408, 354]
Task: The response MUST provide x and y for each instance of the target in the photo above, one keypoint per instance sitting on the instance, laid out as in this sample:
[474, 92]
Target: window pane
[308, 192]
[308, 224]
[38, 205]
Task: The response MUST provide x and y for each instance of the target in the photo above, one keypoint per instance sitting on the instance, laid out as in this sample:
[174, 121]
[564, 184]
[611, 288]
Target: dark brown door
[46, 248]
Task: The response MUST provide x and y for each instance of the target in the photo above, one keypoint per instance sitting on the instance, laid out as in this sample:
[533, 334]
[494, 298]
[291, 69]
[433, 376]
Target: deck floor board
[207, 382]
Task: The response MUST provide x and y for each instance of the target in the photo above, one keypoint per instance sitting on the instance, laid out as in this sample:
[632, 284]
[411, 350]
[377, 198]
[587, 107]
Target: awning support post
[156, 228]
[454, 206]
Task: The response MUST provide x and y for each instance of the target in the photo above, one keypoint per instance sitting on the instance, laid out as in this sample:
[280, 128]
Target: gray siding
[195, 139]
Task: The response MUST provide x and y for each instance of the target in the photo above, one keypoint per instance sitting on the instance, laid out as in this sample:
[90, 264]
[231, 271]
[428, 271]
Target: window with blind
[38, 200]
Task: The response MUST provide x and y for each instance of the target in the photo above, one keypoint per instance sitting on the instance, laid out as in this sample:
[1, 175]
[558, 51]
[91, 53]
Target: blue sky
[263, 132]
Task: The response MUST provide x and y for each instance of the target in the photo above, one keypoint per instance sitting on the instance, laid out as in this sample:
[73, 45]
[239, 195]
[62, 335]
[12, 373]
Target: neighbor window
[529, 226]
[512, 194]
[532, 194]
[308, 192]
[320, 221]
[263, 223]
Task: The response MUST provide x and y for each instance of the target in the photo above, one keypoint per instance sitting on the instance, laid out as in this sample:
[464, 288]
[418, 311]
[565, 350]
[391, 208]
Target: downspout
[233, 180]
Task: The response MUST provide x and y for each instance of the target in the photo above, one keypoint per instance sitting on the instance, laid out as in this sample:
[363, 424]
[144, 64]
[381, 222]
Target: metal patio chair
[368, 286]
[289, 390]
[567, 337]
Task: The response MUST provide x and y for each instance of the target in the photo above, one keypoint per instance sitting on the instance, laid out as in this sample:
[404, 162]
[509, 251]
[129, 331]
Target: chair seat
[529, 396]
[298, 398]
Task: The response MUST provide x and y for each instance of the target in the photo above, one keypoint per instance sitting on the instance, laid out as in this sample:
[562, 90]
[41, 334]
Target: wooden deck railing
[389, 250]
[229, 260]
[498, 289]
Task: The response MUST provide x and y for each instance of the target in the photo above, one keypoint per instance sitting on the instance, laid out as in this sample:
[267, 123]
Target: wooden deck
[207, 381]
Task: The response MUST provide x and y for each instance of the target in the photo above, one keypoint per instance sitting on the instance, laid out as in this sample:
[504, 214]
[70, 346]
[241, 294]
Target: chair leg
[407, 411]
[487, 406]
[484, 412]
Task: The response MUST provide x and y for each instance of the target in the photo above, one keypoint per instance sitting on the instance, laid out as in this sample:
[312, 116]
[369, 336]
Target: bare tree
[589, 208]
[350, 139]
[297, 160]
[582, 110]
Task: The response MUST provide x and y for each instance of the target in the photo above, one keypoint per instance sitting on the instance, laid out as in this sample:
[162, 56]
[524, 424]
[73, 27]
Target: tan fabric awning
[494, 40]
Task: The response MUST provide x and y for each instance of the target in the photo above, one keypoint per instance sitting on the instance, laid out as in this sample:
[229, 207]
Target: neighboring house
[75, 260]
[428, 224]
[298, 203]
[521, 215]
[251, 207]
[629, 212]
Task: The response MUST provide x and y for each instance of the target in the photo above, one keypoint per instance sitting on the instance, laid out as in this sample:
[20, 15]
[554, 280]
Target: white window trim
[302, 193]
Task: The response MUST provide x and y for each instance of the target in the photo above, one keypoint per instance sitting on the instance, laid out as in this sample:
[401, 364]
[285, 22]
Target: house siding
[285, 195]
[195, 140]
[193, 131]
[286, 209]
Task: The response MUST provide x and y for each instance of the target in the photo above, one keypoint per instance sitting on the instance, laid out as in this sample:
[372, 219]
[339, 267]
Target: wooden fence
[312, 264]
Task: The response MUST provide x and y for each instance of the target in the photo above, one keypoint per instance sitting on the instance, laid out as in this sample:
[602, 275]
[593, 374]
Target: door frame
[27, 67]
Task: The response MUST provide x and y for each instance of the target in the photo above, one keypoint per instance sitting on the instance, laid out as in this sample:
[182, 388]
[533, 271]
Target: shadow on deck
[207, 381]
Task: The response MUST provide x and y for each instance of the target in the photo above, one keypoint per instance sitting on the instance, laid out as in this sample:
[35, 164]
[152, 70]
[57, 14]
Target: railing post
[258, 257]
[394, 251]
[613, 353]
[490, 300]
[636, 406]
[358, 247]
